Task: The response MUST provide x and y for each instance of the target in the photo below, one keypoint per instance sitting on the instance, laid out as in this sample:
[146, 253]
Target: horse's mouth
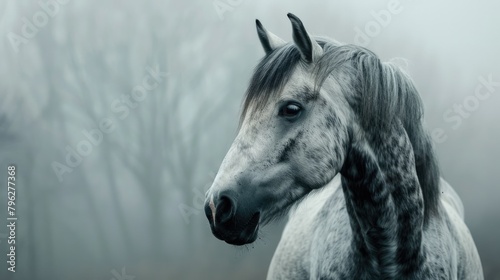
[247, 235]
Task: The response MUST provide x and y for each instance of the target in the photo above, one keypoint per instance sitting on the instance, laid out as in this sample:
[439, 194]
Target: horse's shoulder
[447, 235]
[303, 248]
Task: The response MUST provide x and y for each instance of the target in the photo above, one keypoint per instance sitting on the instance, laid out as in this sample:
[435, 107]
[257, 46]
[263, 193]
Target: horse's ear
[309, 49]
[268, 40]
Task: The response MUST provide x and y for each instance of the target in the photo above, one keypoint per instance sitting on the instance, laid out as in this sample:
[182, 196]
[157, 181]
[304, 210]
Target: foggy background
[129, 204]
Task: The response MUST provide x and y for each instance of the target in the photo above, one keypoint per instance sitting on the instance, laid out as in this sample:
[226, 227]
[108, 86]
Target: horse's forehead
[299, 86]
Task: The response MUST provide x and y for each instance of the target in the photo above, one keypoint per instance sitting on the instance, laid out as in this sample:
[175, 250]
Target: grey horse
[334, 137]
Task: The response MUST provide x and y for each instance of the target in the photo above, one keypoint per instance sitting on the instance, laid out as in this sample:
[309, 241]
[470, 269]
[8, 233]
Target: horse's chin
[244, 240]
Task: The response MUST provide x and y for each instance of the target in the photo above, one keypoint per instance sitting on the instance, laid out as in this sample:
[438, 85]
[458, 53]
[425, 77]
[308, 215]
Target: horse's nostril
[225, 209]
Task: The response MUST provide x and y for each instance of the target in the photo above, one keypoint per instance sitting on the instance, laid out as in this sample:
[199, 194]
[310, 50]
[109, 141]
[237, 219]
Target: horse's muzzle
[230, 224]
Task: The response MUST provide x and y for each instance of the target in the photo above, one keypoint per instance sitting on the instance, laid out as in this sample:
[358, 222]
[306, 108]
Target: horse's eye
[290, 110]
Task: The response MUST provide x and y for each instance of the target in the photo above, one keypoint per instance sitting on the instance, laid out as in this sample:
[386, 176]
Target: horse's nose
[225, 209]
[220, 210]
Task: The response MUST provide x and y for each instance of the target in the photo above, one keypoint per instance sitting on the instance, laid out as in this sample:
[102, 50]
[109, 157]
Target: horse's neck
[385, 204]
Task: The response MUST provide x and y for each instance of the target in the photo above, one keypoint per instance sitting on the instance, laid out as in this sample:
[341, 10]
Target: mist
[117, 115]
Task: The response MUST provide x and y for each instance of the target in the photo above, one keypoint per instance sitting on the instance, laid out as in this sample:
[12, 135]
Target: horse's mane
[383, 92]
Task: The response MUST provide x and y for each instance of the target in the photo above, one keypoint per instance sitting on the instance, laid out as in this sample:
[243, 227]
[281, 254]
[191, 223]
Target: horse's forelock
[270, 76]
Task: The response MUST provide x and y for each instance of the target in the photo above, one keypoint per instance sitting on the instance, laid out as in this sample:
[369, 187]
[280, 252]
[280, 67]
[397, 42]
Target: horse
[334, 137]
